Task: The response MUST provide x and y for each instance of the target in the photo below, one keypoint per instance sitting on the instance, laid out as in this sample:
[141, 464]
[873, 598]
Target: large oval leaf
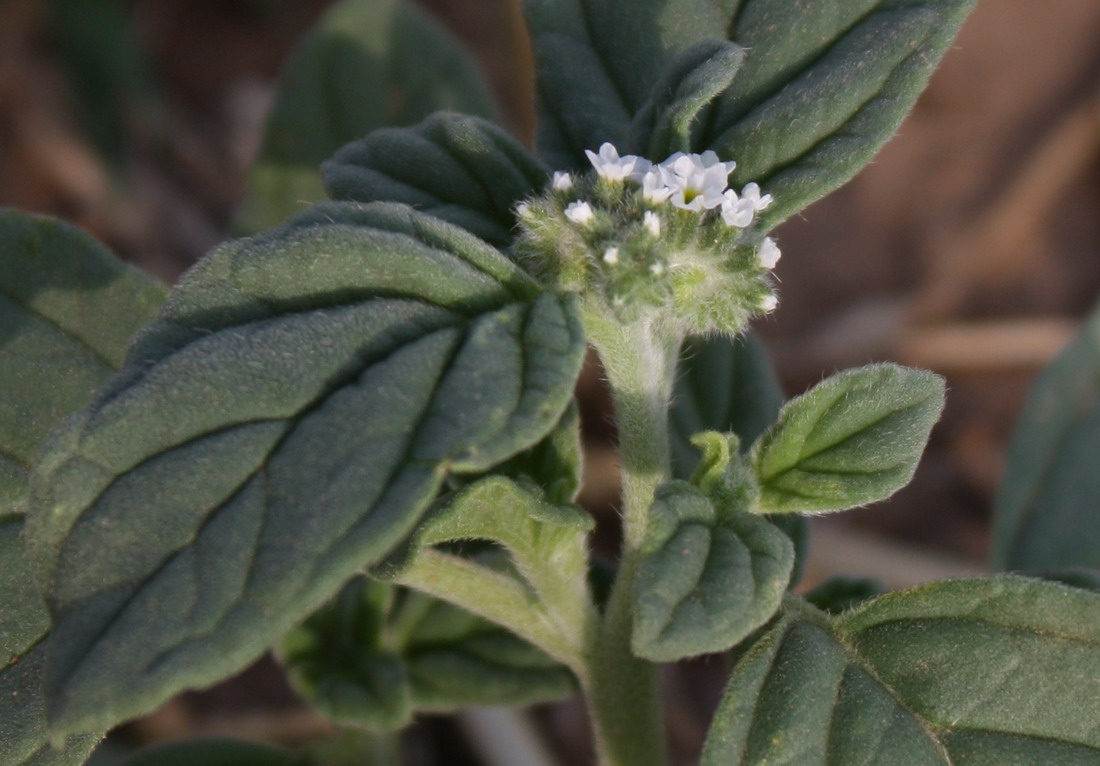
[1001, 671]
[67, 311]
[1046, 505]
[367, 64]
[462, 169]
[283, 424]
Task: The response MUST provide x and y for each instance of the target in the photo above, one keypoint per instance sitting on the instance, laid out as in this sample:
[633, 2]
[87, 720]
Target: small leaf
[1045, 508]
[67, 311]
[959, 673]
[216, 752]
[851, 440]
[24, 622]
[824, 86]
[367, 64]
[285, 423]
[709, 578]
[722, 385]
[462, 169]
[664, 125]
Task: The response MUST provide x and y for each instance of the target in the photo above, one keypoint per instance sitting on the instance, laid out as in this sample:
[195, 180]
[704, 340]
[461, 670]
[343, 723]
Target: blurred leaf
[68, 309]
[983, 672]
[842, 593]
[283, 424]
[24, 622]
[367, 64]
[710, 576]
[1046, 507]
[853, 439]
[556, 463]
[378, 653]
[462, 169]
[216, 752]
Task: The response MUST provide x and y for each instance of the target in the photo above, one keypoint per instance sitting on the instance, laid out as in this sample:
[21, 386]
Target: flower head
[580, 213]
[562, 181]
[610, 165]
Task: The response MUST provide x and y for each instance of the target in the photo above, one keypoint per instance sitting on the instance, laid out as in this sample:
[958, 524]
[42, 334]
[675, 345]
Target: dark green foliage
[462, 169]
[217, 752]
[851, 440]
[979, 672]
[841, 593]
[284, 423]
[711, 575]
[1046, 508]
[368, 64]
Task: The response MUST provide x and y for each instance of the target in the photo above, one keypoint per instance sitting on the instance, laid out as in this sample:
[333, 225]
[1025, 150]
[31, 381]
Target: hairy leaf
[285, 423]
[853, 439]
[368, 64]
[709, 578]
[556, 463]
[1046, 506]
[976, 672]
[216, 752]
[67, 311]
[462, 169]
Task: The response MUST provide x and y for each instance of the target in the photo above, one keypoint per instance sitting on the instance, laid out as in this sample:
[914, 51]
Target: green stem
[624, 698]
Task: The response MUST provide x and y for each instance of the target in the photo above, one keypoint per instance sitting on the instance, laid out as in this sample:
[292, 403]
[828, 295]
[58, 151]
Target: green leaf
[67, 311]
[24, 622]
[1045, 507]
[710, 576]
[368, 64]
[285, 423]
[665, 124]
[721, 385]
[824, 86]
[377, 653]
[960, 673]
[216, 752]
[851, 440]
[462, 169]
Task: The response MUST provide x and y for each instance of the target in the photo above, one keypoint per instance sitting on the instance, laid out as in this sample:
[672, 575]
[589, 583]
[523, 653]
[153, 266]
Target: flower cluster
[653, 236]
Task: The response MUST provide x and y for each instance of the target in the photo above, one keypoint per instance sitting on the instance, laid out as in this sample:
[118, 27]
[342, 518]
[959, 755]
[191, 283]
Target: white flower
[609, 165]
[611, 256]
[768, 304]
[580, 213]
[751, 192]
[768, 253]
[655, 189]
[737, 211]
[657, 269]
[697, 183]
[562, 181]
[652, 223]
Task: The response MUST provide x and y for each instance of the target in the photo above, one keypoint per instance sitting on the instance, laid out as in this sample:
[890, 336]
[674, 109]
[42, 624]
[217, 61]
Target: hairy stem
[622, 689]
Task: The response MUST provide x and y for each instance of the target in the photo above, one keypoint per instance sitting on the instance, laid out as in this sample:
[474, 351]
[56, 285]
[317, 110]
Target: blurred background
[970, 247]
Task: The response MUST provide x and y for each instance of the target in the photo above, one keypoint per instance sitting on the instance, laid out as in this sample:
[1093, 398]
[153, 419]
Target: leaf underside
[284, 423]
[977, 672]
